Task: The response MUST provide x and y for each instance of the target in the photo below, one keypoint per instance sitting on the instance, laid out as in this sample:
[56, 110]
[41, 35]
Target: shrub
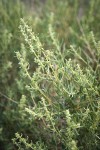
[10, 92]
[52, 100]
[65, 114]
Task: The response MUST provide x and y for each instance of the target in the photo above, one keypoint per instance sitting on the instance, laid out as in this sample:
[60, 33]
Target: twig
[8, 98]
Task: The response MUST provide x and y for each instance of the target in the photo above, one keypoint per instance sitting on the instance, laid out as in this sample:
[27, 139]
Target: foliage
[10, 92]
[52, 100]
[68, 107]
